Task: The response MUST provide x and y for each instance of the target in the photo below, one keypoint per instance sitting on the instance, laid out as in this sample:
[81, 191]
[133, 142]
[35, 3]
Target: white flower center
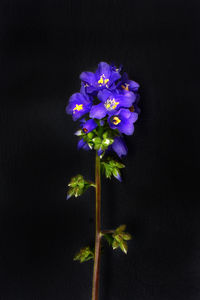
[110, 104]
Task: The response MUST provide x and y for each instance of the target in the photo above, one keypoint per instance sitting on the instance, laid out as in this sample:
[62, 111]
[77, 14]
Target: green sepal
[111, 168]
[98, 139]
[97, 143]
[109, 238]
[78, 185]
[84, 254]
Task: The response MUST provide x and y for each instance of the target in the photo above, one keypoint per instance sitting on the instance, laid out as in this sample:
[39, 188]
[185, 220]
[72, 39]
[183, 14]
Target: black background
[45, 45]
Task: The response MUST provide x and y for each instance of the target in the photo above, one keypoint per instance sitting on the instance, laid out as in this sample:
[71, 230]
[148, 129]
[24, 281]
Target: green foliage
[84, 254]
[118, 238]
[78, 185]
[111, 168]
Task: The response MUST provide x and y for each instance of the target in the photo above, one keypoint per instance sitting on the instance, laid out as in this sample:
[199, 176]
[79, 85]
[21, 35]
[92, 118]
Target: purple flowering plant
[106, 108]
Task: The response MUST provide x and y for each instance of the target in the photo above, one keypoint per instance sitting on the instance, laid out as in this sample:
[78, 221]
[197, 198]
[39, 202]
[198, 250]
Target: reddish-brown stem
[97, 253]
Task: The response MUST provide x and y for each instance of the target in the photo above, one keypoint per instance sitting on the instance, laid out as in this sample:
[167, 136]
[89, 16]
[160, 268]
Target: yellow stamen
[116, 120]
[115, 105]
[110, 104]
[102, 80]
[125, 87]
[78, 107]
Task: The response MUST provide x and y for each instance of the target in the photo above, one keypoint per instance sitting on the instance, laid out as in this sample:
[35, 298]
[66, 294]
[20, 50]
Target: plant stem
[97, 253]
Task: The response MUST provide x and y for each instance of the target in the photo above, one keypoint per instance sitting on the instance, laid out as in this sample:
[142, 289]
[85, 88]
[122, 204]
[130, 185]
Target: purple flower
[99, 152]
[79, 105]
[111, 102]
[82, 144]
[118, 176]
[89, 126]
[104, 77]
[127, 85]
[119, 146]
[123, 121]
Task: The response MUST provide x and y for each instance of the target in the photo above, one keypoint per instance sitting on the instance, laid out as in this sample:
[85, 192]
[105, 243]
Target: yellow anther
[110, 104]
[78, 107]
[116, 120]
[102, 80]
[115, 105]
[125, 87]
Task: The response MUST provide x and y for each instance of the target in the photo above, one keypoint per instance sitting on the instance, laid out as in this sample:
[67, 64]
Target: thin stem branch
[106, 231]
[97, 253]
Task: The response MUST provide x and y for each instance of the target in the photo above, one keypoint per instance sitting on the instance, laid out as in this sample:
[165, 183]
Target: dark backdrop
[45, 45]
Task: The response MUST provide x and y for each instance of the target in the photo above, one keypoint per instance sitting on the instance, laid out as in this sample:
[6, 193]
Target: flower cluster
[106, 108]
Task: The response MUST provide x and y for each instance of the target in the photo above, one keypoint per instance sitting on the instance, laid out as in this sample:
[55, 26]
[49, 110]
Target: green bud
[79, 132]
[115, 244]
[105, 135]
[107, 142]
[90, 135]
[96, 140]
[124, 247]
[78, 185]
[126, 236]
[90, 145]
[116, 172]
[111, 167]
[120, 228]
[84, 254]
[118, 238]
